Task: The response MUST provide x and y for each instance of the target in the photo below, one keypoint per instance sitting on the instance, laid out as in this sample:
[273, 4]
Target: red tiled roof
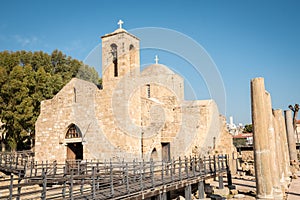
[243, 135]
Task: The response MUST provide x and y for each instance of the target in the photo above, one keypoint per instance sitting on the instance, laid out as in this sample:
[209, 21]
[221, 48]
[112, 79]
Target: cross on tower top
[156, 59]
[120, 23]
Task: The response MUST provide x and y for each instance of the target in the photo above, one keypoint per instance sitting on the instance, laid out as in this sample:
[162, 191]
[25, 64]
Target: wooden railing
[105, 180]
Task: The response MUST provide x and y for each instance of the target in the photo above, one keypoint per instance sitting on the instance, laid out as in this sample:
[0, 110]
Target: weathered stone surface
[262, 154]
[239, 196]
[290, 135]
[222, 192]
[234, 192]
[136, 115]
[270, 145]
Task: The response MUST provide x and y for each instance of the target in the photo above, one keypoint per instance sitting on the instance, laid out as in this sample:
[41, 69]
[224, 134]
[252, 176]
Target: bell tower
[120, 55]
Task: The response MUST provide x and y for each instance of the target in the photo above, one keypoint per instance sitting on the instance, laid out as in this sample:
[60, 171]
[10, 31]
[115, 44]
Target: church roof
[117, 31]
[156, 69]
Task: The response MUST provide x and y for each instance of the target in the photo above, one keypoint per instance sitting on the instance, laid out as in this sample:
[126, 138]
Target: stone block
[239, 196]
[221, 192]
[234, 192]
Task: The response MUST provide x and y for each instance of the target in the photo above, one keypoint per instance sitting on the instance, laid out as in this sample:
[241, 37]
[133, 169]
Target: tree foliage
[239, 142]
[248, 128]
[27, 78]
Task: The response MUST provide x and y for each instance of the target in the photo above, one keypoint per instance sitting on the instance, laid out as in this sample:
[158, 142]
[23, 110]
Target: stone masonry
[135, 115]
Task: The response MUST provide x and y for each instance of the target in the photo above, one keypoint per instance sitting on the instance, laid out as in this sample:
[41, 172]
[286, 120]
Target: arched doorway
[74, 145]
[74, 151]
[154, 155]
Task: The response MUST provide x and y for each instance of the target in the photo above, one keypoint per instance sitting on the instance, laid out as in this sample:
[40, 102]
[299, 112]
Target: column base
[264, 197]
[278, 194]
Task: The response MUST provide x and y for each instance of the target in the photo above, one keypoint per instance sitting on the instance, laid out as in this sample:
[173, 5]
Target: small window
[74, 94]
[148, 91]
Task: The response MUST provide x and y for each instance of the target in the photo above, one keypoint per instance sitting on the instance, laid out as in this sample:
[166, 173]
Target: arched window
[131, 47]
[73, 132]
[114, 52]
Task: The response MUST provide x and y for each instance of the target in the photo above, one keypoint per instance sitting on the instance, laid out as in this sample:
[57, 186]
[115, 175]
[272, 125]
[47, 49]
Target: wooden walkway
[105, 180]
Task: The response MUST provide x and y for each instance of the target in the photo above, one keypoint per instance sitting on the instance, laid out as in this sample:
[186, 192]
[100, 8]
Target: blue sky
[245, 39]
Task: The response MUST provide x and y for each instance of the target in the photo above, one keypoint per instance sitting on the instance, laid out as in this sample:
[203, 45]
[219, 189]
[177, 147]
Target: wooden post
[215, 165]
[19, 188]
[221, 183]
[25, 166]
[126, 178]
[141, 177]
[71, 185]
[222, 162]
[162, 172]
[193, 166]
[204, 165]
[54, 168]
[93, 182]
[219, 163]
[152, 172]
[229, 177]
[188, 192]
[11, 186]
[11, 161]
[186, 166]
[35, 168]
[172, 165]
[111, 180]
[44, 190]
[180, 177]
[201, 190]
[17, 159]
[209, 164]
[81, 186]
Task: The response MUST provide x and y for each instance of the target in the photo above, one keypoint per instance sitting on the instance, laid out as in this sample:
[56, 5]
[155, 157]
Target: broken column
[262, 153]
[280, 161]
[290, 135]
[284, 146]
[278, 193]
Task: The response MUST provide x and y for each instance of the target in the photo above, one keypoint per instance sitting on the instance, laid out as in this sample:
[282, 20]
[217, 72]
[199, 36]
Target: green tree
[26, 79]
[248, 128]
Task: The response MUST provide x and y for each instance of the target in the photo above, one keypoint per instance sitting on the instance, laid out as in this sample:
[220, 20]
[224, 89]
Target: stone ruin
[274, 144]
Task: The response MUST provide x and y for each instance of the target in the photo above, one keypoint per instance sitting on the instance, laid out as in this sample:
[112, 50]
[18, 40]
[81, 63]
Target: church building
[135, 115]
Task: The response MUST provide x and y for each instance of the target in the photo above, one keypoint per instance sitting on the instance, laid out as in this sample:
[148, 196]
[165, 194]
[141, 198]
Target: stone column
[279, 154]
[285, 146]
[264, 185]
[284, 149]
[290, 135]
[274, 160]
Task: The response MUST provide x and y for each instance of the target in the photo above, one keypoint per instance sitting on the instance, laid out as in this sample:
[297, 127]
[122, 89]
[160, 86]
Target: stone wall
[132, 117]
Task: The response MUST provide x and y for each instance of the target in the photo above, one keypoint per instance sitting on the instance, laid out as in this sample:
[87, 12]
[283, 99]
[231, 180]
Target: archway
[74, 145]
[154, 155]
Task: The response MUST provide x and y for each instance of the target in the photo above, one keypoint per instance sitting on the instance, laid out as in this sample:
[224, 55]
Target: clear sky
[245, 39]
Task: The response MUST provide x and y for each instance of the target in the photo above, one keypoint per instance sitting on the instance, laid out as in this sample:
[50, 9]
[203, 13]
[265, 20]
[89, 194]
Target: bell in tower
[120, 55]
